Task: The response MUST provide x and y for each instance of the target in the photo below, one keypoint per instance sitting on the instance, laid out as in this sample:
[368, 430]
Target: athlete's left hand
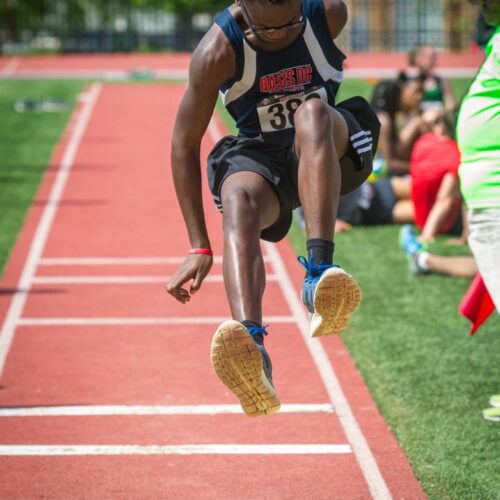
[194, 267]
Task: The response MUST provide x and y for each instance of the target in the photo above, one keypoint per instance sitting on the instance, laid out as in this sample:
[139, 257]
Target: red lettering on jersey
[280, 83]
[304, 74]
[264, 84]
[272, 83]
[290, 78]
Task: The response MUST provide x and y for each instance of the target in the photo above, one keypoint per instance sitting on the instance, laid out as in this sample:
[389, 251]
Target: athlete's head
[424, 58]
[272, 20]
[491, 10]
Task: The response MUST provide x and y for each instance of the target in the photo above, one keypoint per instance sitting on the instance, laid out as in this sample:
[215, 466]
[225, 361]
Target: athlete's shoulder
[336, 16]
[213, 58]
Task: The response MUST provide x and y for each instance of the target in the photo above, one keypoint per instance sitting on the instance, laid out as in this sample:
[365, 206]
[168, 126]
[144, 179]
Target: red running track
[106, 385]
[109, 66]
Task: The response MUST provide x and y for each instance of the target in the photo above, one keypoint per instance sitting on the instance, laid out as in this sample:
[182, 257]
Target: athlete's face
[491, 10]
[269, 22]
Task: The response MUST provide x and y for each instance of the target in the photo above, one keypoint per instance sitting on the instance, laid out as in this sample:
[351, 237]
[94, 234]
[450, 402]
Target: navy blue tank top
[268, 86]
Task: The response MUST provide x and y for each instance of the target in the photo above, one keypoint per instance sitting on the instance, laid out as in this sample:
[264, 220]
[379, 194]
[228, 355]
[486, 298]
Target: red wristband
[203, 251]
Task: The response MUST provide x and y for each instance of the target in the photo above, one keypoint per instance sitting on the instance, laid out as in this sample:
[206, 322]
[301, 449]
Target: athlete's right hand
[195, 267]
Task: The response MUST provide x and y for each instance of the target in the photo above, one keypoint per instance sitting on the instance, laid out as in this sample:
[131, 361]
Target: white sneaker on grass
[495, 401]
[492, 414]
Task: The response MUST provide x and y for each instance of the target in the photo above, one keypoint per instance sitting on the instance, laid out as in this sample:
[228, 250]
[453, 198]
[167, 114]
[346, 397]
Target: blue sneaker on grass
[412, 248]
[242, 364]
[331, 295]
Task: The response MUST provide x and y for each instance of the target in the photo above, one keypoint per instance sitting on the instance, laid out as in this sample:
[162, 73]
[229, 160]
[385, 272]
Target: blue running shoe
[412, 248]
[242, 364]
[331, 295]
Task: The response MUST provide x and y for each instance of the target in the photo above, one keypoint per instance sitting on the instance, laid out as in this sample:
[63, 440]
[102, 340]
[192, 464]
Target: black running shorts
[273, 156]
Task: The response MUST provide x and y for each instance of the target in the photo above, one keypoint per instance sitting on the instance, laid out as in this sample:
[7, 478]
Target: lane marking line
[186, 449]
[364, 456]
[208, 320]
[86, 411]
[118, 261]
[37, 245]
[119, 280]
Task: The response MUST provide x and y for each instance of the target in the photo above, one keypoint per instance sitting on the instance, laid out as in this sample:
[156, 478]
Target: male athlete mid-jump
[278, 70]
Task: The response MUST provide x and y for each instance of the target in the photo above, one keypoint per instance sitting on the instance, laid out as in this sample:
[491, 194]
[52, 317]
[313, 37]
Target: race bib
[276, 112]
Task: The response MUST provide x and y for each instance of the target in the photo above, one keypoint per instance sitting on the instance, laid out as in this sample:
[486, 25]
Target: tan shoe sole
[237, 362]
[336, 297]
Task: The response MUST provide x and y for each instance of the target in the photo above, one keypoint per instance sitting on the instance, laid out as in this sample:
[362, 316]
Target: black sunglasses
[271, 29]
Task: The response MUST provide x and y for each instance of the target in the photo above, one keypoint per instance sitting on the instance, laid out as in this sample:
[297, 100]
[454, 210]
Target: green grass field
[428, 377]
[26, 143]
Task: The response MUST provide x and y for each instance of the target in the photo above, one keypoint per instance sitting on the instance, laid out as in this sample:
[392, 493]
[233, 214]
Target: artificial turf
[26, 143]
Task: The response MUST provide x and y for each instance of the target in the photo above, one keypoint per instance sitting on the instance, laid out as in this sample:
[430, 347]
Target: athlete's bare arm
[212, 63]
[336, 16]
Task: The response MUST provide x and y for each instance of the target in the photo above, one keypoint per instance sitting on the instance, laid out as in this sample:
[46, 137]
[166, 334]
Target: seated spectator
[435, 189]
[385, 201]
[397, 104]
[437, 90]
[430, 196]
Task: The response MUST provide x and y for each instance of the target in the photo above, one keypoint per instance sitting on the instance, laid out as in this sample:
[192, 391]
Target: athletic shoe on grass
[412, 248]
[243, 365]
[492, 414]
[331, 295]
[495, 401]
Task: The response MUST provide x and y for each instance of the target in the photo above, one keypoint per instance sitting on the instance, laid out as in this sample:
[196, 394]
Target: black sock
[259, 337]
[320, 251]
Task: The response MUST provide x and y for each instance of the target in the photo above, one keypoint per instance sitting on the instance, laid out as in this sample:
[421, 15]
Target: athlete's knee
[313, 116]
[239, 205]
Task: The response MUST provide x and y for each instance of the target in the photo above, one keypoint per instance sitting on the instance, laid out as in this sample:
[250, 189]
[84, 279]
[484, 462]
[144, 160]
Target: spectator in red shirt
[437, 202]
[435, 188]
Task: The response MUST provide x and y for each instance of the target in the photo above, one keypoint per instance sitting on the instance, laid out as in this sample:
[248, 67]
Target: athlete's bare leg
[249, 205]
[321, 140]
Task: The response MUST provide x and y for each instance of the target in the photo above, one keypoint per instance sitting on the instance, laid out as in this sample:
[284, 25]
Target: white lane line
[186, 449]
[119, 280]
[208, 320]
[182, 74]
[118, 261]
[45, 224]
[364, 456]
[10, 67]
[89, 411]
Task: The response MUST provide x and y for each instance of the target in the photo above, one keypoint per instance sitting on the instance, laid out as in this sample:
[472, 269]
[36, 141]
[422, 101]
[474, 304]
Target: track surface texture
[107, 389]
